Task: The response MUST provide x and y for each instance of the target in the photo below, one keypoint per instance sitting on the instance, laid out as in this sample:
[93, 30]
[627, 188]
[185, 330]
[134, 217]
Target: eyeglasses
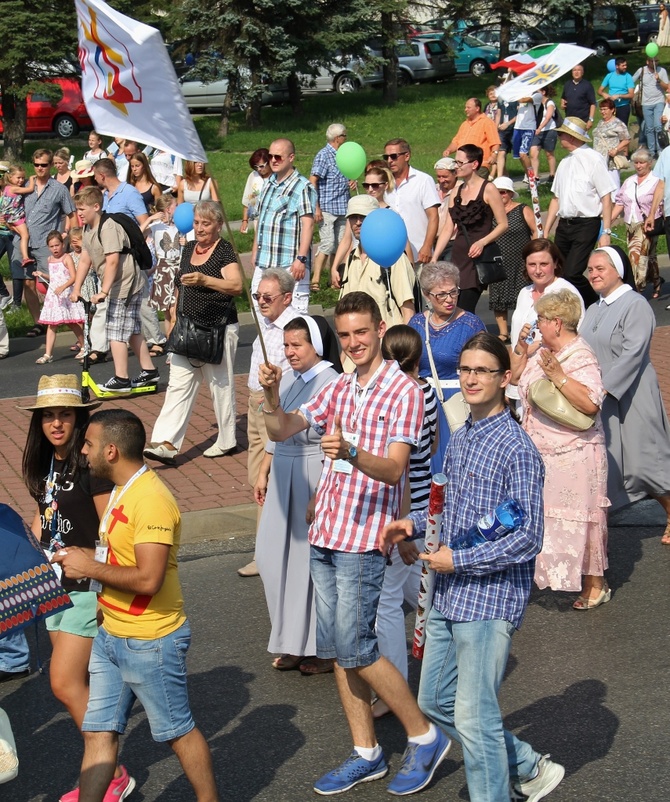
[39, 164]
[480, 373]
[461, 164]
[261, 166]
[442, 296]
[393, 156]
[276, 157]
[267, 299]
[374, 184]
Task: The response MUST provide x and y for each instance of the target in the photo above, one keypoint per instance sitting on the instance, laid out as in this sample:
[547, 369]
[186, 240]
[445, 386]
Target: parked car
[472, 55]
[425, 58]
[647, 22]
[614, 30]
[520, 40]
[199, 95]
[65, 117]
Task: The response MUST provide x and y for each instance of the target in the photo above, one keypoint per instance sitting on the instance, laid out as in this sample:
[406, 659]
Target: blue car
[471, 54]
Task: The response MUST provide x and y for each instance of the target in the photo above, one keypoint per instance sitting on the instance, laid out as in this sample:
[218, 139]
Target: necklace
[201, 251]
[445, 322]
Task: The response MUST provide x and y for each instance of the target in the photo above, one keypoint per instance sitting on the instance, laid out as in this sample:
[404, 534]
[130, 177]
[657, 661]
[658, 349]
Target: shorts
[521, 141]
[347, 587]
[78, 620]
[330, 232]
[151, 671]
[123, 318]
[547, 140]
[506, 139]
[27, 273]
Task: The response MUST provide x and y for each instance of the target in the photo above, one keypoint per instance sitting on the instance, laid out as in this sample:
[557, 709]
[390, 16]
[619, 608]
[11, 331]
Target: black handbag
[202, 344]
[489, 265]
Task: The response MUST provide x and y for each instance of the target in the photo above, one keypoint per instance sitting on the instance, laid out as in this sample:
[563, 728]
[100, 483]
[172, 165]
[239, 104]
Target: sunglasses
[39, 164]
[261, 166]
[276, 157]
[393, 156]
[374, 184]
[267, 299]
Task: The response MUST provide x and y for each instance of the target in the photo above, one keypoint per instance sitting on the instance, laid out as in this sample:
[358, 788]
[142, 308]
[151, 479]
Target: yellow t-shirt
[146, 513]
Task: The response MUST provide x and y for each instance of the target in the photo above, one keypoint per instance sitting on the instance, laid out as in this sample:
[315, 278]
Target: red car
[65, 118]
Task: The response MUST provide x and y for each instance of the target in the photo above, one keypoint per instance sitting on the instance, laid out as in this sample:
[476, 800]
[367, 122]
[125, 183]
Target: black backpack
[138, 245]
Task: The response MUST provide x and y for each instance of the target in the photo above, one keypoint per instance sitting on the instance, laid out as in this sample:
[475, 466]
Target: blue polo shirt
[126, 199]
[618, 84]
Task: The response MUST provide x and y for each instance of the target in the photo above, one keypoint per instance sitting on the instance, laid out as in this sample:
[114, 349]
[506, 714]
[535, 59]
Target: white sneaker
[548, 777]
[217, 451]
[5, 301]
[161, 453]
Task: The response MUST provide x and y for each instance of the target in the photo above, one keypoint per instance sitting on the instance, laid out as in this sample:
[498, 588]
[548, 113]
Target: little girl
[11, 206]
[96, 151]
[58, 309]
[165, 243]
[90, 285]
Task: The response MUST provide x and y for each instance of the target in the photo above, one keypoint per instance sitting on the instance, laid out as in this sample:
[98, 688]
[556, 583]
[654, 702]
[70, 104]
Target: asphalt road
[19, 374]
[589, 688]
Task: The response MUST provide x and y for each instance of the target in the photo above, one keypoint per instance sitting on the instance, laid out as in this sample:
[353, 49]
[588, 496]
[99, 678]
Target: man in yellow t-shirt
[140, 649]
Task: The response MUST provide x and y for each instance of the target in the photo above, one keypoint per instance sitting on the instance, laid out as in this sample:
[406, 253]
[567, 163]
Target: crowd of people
[559, 413]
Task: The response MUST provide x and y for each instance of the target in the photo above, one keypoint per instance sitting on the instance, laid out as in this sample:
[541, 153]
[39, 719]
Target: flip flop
[316, 665]
[287, 662]
[36, 331]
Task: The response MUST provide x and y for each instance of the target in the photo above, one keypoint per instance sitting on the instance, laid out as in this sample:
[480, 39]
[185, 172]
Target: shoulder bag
[489, 264]
[545, 396]
[636, 102]
[456, 409]
[202, 344]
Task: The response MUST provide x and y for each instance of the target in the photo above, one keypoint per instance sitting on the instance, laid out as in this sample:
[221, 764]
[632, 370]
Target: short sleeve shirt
[125, 199]
[411, 199]
[202, 304]
[113, 239]
[652, 93]
[580, 97]
[45, 209]
[333, 187]
[618, 84]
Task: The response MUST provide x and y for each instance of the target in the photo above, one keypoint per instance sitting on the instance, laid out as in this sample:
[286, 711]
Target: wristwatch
[353, 452]
[302, 259]
[607, 230]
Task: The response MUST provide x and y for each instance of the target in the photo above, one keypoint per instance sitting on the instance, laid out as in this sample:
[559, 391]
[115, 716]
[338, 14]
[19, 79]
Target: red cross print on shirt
[117, 515]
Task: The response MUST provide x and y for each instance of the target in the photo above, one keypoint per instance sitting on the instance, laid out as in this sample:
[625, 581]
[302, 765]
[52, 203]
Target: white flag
[129, 84]
[546, 69]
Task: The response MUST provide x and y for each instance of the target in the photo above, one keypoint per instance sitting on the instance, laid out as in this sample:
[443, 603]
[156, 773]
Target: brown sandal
[316, 665]
[287, 662]
[665, 537]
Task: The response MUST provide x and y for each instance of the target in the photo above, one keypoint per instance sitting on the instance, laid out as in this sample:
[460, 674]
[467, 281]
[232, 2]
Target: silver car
[199, 95]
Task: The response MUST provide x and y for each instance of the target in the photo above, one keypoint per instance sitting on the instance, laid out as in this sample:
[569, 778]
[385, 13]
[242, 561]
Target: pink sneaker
[119, 788]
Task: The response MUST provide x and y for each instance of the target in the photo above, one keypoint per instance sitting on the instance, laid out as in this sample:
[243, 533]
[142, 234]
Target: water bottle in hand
[506, 517]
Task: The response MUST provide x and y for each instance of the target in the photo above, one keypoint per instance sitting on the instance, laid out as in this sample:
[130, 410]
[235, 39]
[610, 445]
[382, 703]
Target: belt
[571, 221]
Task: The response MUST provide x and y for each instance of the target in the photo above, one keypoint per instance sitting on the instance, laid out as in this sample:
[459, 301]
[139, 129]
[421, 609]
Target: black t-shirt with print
[76, 519]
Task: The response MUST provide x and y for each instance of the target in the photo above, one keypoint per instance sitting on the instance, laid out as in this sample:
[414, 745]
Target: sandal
[75, 348]
[504, 339]
[97, 356]
[665, 538]
[316, 665]
[36, 331]
[287, 662]
[156, 350]
[44, 360]
[314, 287]
[660, 281]
[582, 603]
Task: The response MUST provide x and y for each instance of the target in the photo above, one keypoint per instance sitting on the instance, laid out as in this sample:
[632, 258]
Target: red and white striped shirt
[351, 509]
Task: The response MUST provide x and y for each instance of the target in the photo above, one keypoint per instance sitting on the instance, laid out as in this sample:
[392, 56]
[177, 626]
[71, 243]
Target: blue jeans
[347, 587]
[653, 125]
[465, 704]
[14, 653]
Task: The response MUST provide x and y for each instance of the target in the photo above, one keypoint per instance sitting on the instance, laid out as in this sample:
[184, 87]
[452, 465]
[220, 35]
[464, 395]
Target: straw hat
[60, 390]
[362, 204]
[82, 169]
[506, 183]
[575, 127]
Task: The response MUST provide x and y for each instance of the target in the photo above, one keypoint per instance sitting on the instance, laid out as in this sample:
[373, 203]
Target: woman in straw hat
[70, 502]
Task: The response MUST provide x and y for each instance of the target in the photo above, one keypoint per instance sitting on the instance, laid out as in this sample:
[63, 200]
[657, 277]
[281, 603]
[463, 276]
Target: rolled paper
[433, 527]
[535, 199]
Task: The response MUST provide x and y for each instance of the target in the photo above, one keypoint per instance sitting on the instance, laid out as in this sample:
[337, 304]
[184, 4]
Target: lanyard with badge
[101, 546]
[360, 396]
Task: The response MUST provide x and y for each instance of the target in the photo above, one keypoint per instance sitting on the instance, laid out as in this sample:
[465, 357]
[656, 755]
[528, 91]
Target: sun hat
[447, 163]
[575, 127]
[82, 169]
[362, 204]
[60, 390]
[506, 183]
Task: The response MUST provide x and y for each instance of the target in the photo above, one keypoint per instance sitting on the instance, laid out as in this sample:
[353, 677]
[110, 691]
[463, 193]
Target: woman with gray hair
[208, 279]
[633, 201]
[444, 329]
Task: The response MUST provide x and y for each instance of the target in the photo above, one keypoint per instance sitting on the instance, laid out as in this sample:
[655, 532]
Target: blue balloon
[611, 65]
[384, 236]
[183, 217]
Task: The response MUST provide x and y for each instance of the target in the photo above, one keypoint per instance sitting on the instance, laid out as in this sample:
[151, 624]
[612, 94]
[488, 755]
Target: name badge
[100, 556]
[56, 566]
[343, 465]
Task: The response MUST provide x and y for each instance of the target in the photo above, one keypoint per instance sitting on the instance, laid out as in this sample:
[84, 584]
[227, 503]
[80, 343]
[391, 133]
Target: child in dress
[96, 151]
[90, 285]
[58, 309]
[166, 244]
[11, 207]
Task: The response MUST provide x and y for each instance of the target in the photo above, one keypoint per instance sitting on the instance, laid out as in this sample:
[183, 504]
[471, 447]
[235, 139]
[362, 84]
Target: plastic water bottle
[506, 517]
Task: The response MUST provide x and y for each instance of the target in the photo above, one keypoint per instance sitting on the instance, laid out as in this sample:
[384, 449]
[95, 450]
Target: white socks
[426, 738]
[369, 754]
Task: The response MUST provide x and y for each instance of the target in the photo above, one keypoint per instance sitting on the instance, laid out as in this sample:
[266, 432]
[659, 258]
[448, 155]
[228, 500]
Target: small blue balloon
[183, 217]
[384, 236]
[611, 65]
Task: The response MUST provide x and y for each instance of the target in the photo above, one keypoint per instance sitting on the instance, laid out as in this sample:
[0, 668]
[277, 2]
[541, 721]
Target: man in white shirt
[582, 201]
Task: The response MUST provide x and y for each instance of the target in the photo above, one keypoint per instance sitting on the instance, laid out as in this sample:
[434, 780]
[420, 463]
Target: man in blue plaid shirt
[481, 592]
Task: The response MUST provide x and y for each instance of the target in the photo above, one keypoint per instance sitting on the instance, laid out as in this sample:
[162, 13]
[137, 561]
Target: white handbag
[9, 761]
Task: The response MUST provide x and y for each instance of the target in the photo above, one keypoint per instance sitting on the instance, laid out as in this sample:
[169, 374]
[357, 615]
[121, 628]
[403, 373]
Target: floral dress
[167, 250]
[575, 486]
[59, 309]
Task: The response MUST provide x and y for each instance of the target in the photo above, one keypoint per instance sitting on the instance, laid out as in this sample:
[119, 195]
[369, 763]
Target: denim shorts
[547, 140]
[78, 620]
[347, 588]
[522, 139]
[151, 671]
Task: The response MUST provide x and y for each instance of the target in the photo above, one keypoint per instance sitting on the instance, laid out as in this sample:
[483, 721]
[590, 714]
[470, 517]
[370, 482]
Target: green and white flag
[541, 66]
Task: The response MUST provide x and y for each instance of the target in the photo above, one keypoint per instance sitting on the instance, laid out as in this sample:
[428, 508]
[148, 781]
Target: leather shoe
[248, 570]
[8, 676]
[217, 451]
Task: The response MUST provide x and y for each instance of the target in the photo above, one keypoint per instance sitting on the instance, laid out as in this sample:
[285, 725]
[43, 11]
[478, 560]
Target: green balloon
[651, 50]
[351, 160]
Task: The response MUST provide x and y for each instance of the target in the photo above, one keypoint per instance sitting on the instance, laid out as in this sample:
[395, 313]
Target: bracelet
[519, 353]
[102, 292]
[267, 411]
[564, 381]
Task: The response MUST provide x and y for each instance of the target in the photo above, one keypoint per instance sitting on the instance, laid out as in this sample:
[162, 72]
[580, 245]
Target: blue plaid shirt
[280, 208]
[333, 187]
[486, 463]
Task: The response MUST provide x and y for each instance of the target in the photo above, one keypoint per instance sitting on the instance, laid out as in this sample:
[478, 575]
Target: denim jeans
[653, 124]
[465, 704]
[14, 653]
[347, 587]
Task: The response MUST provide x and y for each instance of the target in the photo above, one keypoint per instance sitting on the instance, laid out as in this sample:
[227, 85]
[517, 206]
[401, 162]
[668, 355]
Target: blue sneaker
[418, 765]
[354, 770]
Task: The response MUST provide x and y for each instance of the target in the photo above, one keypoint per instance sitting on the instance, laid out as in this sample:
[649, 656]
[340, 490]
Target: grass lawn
[427, 115]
